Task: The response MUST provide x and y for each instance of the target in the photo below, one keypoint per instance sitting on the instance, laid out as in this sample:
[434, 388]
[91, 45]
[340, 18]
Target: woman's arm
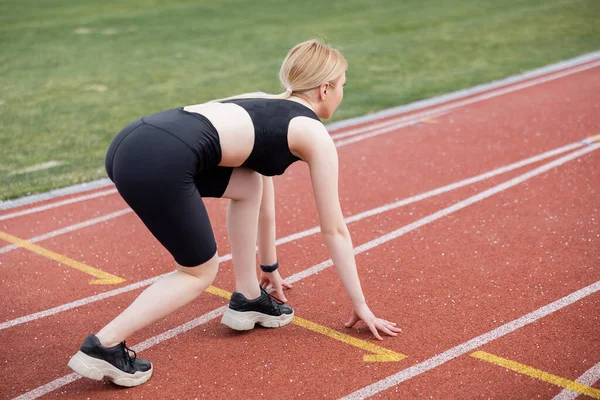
[319, 151]
[323, 165]
[267, 253]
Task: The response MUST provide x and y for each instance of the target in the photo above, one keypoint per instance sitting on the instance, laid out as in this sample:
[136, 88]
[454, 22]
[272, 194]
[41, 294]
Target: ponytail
[307, 66]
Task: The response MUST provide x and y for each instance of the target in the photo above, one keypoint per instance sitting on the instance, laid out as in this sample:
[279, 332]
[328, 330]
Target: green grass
[66, 94]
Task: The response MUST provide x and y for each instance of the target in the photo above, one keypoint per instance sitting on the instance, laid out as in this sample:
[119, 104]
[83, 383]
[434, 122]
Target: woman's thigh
[244, 184]
[154, 173]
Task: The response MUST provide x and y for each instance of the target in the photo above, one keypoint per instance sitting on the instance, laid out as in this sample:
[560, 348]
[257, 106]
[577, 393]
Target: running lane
[469, 141]
[408, 162]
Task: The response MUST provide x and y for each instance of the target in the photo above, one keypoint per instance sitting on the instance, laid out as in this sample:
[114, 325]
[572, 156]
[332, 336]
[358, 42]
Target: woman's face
[332, 96]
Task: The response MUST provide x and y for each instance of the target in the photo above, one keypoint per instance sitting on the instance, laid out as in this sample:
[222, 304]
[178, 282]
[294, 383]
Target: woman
[163, 165]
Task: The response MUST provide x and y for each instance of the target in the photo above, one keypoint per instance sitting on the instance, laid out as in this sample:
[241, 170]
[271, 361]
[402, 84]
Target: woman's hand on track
[274, 279]
[363, 313]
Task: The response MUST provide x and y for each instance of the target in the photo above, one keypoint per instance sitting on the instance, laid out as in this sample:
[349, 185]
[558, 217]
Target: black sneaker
[267, 311]
[95, 361]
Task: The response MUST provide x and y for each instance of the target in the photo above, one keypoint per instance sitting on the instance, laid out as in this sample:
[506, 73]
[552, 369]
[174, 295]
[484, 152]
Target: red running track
[447, 281]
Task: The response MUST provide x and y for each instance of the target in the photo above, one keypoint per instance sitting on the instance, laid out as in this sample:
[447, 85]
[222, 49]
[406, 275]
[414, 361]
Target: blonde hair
[307, 65]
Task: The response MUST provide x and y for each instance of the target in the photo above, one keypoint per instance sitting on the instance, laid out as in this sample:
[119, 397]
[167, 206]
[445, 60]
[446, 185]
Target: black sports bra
[271, 154]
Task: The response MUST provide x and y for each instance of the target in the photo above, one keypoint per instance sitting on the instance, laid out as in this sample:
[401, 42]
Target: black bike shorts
[162, 165]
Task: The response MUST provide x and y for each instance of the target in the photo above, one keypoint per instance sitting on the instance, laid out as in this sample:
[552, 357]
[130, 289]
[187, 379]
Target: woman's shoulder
[306, 135]
[307, 126]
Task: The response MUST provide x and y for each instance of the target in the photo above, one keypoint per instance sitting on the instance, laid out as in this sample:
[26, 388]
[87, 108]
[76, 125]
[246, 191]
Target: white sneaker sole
[97, 369]
[243, 321]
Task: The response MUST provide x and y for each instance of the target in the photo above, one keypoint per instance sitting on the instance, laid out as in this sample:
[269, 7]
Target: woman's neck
[302, 100]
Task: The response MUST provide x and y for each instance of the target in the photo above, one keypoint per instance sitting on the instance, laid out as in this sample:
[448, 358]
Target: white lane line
[398, 125]
[79, 303]
[589, 378]
[52, 194]
[65, 380]
[299, 235]
[440, 190]
[389, 126]
[171, 333]
[390, 236]
[451, 106]
[50, 387]
[454, 352]
[448, 210]
[399, 122]
[69, 229]
[472, 344]
[58, 204]
[460, 94]
[353, 218]
[443, 99]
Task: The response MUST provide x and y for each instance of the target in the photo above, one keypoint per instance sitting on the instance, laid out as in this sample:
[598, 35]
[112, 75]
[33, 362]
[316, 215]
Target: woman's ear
[323, 90]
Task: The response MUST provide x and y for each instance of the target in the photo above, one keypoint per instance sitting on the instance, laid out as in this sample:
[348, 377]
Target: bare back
[235, 128]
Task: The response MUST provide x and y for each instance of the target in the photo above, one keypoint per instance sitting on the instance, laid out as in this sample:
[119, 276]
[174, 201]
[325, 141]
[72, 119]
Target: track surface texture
[476, 227]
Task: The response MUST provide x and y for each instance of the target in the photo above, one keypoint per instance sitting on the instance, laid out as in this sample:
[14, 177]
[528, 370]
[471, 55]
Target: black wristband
[269, 268]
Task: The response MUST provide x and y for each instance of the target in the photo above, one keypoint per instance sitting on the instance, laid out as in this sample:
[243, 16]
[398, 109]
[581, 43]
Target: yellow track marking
[594, 138]
[537, 374]
[104, 278]
[380, 354]
[429, 121]
[218, 292]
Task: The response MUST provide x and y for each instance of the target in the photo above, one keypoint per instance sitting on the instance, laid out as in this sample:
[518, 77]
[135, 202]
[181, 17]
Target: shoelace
[273, 300]
[128, 352]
